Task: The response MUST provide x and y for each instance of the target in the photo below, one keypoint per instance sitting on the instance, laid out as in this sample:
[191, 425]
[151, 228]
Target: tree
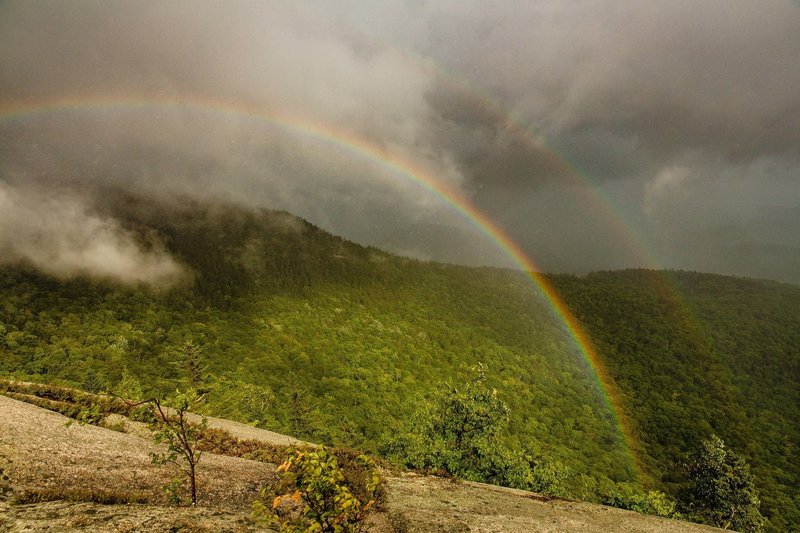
[460, 434]
[299, 409]
[722, 490]
[473, 413]
[191, 362]
[173, 428]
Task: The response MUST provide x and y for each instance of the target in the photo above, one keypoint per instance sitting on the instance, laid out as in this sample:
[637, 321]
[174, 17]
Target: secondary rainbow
[484, 103]
[374, 153]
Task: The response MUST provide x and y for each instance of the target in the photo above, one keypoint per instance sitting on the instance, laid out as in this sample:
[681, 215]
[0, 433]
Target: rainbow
[370, 152]
[559, 162]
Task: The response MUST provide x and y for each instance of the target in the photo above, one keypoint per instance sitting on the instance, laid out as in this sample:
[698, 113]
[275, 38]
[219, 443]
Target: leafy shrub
[361, 474]
[315, 494]
[631, 497]
[267, 454]
[90, 415]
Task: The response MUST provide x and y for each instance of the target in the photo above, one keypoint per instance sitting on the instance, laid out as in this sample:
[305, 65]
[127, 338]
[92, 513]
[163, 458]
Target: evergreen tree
[191, 362]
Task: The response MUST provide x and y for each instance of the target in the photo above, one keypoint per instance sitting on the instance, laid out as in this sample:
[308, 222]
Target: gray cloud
[677, 76]
[598, 134]
[60, 236]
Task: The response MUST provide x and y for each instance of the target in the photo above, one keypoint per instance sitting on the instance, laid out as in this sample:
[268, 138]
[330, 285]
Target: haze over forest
[598, 135]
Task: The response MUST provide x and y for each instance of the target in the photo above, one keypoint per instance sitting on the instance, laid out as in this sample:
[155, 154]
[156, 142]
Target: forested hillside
[307, 334]
[293, 329]
[695, 354]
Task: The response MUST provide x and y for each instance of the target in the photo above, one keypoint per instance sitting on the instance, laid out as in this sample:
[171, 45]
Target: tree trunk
[194, 484]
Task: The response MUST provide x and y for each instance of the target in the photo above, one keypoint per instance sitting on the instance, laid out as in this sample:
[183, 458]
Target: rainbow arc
[397, 166]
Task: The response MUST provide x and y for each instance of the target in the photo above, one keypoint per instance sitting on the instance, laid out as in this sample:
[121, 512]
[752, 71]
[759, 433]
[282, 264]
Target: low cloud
[60, 236]
[596, 134]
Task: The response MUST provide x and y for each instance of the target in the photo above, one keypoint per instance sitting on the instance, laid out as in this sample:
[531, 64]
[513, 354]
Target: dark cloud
[598, 134]
[677, 76]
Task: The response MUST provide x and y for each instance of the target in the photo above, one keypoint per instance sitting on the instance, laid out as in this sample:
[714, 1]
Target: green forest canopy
[308, 334]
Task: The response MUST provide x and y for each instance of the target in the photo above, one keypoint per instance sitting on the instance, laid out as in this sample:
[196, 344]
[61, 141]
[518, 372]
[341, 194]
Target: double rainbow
[373, 153]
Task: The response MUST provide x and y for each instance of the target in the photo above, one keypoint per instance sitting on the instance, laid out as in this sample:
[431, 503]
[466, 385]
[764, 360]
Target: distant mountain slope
[697, 353]
[308, 334]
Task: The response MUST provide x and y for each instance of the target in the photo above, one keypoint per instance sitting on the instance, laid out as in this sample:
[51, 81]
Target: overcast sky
[597, 134]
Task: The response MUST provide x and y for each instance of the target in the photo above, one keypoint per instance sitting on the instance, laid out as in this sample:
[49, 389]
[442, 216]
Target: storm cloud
[600, 134]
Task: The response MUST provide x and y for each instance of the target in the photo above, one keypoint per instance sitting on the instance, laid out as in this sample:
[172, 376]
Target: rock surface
[41, 454]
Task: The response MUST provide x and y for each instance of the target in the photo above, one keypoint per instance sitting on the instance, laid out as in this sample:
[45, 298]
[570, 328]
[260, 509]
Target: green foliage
[93, 382]
[660, 504]
[722, 490]
[315, 495]
[172, 489]
[631, 496]
[310, 361]
[80, 406]
[173, 428]
[460, 435]
[190, 361]
[694, 354]
[471, 414]
[129, 387]
[307, 334]
[86, 414]
[90, 415]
